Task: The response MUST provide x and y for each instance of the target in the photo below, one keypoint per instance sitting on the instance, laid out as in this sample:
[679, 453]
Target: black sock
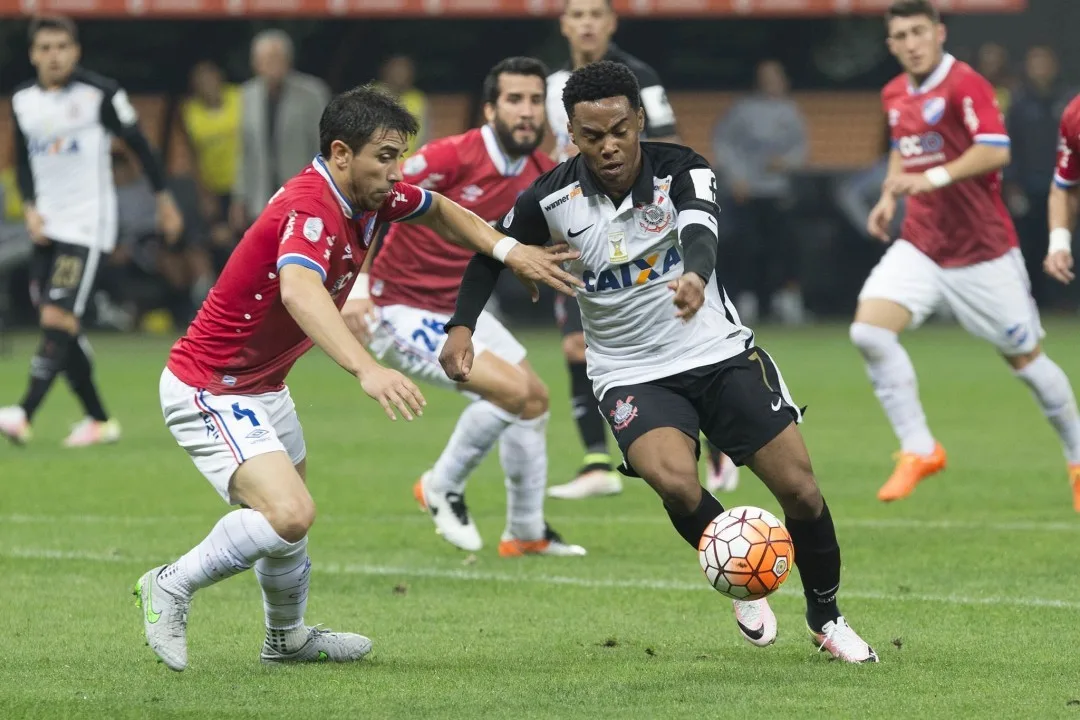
[817, 555]
[692, 526]
[590, 422]
[80, 375]
[50, 360]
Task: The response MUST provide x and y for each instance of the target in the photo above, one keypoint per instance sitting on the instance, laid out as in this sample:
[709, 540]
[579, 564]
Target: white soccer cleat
[552, 544]
[756, 621]
[14, 425]
[838, 639]
[450, 514]
[165, 620]
[725, 478]
[595, 483]
[89, 431]
[321, 646]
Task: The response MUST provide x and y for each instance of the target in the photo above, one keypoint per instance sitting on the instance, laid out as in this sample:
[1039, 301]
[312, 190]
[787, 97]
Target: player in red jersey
[223, 391]
[1065, 202]
[414, 283]
[957, 246]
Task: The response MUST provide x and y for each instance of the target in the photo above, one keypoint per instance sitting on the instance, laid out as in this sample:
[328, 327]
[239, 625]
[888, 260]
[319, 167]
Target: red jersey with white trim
[243, 340]
[1067, 171]
[416, 267]
[967, 222]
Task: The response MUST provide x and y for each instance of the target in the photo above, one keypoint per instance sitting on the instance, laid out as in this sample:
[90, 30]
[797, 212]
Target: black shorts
[567, 315]
[63, 275]
[739, 404]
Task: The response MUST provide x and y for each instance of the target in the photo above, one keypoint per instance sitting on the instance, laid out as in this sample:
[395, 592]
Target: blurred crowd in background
[795, 205]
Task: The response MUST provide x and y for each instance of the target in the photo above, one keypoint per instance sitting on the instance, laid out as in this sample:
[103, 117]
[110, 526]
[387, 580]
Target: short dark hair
[512, 66]
[609, 3]
[53, 22]
[599, 80]
[912, 8]
[354, 116]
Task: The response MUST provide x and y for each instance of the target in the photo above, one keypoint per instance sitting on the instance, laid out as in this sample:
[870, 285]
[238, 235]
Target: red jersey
[1067, 171]
[415, 266]
[967, 222]
[243, 340]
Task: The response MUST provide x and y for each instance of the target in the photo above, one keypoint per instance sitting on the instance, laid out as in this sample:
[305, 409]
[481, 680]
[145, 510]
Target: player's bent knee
[801, 498]
[573, 347]
[883, 314]
[1019, 362]
[872, 341]
[53, 317]
[538, 402]
[291, 517]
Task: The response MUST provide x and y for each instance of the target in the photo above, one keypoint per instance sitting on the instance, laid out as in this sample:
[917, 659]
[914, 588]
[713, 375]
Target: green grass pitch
[968, 590]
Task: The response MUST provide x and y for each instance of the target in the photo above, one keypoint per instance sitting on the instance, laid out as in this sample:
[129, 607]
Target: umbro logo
[571, 233]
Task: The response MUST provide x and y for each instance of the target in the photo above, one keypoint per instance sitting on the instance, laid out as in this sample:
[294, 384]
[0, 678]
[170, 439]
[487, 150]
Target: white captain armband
[360, 289]
[1060, 239]
[938, 176]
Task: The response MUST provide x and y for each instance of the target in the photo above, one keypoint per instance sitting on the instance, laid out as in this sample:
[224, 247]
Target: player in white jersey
[667, 354]
[64, 124]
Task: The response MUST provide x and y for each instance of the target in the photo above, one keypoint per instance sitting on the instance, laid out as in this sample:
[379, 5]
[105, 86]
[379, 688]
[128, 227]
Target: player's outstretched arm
[1063, 208]
[531, 264]
[306, 299]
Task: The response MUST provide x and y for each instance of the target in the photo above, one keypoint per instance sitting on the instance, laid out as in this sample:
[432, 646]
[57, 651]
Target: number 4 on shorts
[240, 413]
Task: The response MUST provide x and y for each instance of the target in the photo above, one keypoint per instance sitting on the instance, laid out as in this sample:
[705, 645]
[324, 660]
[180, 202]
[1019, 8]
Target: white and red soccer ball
[746, 553]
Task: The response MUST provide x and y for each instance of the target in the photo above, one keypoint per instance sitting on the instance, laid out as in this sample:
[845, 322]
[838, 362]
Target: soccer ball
[746, 553]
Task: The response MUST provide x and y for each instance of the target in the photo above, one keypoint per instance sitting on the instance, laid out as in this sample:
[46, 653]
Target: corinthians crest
[654, 218]
[624, 413]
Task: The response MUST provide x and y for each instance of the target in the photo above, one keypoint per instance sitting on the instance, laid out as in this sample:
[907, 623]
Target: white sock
[1054, 394]
[284, 578]
[236, 542]
[523, 455]
[893, 377]
[477, 431]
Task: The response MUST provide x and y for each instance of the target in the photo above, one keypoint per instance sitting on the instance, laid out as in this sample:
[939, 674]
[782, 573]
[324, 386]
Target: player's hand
[35, 225]
[909, 184]
[689, 294]
[456, 357]
[881, 218]
[170, 221]
[392, 389]
[359, 315]
[534, 264]
[1059, 265]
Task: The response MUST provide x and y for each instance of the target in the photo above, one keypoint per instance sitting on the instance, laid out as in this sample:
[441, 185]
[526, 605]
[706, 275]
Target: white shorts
[410, 340]
[991, 300]
[219, 432]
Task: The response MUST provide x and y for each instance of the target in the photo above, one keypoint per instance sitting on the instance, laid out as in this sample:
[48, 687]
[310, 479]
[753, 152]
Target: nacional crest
[654, 218]
[933, 110]
[624, 413]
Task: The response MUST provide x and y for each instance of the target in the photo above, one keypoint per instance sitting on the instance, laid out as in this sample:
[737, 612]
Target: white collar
[502, 163]
[320, 167]
[935, 78]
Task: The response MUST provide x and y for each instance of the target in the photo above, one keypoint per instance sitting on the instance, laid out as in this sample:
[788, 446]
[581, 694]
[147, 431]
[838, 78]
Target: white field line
[553, 580]
[1035, 526]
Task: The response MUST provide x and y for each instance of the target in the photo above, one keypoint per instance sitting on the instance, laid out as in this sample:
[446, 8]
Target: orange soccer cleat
[911, 469]
[1074, 480]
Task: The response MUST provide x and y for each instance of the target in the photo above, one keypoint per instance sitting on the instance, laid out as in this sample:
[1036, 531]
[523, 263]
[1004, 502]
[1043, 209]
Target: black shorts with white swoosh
[740, 404]
[65, 277]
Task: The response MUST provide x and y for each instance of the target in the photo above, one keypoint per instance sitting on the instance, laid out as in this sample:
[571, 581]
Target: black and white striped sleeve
[693, 191]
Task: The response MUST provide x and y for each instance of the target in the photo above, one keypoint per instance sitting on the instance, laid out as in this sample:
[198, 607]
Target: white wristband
[938, 176]
[1060, 239]
[503, 248]
[360, 290]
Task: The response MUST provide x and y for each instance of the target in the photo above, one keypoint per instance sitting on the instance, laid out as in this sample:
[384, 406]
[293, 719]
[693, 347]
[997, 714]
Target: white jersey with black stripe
[67, 134]
[659, 117]
[629, 254]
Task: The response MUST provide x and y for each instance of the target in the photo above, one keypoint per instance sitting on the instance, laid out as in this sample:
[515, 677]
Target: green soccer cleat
[165, 620]
[321, 646]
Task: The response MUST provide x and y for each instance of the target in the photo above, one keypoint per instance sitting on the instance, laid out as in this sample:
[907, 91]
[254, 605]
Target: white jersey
[64, 137]
[629, 254]
[659, 117]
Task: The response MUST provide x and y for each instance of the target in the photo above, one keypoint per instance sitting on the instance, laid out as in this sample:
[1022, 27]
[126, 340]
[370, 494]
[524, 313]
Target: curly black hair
[599, 80]
[354, 116]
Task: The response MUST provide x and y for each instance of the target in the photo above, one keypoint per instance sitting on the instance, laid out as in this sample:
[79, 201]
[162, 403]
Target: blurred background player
[64, 123]
[957, 247]
[671, 358]
[223, 392]
[588, 26]
[414, 283]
